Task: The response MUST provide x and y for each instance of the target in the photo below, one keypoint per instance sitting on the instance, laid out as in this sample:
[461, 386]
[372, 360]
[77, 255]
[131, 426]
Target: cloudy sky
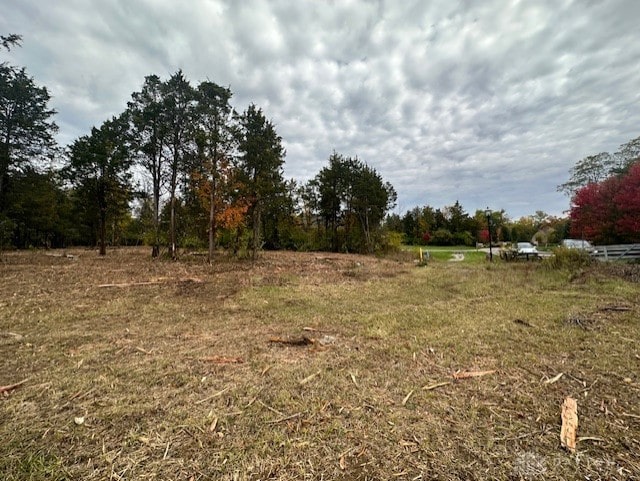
[487, 102]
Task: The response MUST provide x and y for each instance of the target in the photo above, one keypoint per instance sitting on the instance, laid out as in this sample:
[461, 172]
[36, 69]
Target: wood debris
[555, 378]
[470, 374]
[152, 282]
[11, 387]
[429, 387]
[286, 418]
[309, 378]
[222, 359]
[523, 322]
[615, 308]
[569, 427]
[293, 341]
[407, 397]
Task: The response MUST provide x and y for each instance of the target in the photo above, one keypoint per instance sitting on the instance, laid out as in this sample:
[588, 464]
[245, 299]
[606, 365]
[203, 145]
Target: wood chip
[470, 374]
[569, 424]
[214, 424]
[353, 378]
[555, 378]
[407, 397]
[309, 378]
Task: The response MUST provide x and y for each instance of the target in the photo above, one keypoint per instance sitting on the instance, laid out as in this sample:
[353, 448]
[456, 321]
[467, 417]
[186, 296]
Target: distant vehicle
[520, 250]
[579, 244]
[525, 248]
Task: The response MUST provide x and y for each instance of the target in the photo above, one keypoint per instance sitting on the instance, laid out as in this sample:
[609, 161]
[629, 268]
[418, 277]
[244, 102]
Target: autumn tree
[260, 161]
[608, 212]
[214, 139]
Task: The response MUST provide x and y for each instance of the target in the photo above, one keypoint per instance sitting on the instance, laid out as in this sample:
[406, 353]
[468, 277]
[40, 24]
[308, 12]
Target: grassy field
[314, 366]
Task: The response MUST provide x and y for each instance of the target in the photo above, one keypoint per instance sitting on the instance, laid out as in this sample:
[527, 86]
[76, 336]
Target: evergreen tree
[99, 168]
[261, 160]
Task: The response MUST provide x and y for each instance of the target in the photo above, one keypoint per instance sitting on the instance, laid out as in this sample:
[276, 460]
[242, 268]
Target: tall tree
[371, 199]
[353, 196]
[261, 160]
[99, 167]
[149, 139]
[179, 100]
[214, 142]
[26, 128]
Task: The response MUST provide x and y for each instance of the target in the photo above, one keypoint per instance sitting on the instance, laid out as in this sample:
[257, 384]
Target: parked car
[520, 250]
[579, 244]
[526, 248]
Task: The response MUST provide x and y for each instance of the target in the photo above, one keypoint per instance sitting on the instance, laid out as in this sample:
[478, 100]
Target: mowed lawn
[314, 366]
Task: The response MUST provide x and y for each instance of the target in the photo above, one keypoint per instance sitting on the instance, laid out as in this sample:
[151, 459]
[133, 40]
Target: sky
[489, 102]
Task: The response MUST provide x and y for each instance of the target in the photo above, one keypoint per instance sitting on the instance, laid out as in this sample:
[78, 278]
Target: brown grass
[170, 374]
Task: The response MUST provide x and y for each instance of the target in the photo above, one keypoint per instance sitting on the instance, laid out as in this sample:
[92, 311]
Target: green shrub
[568, 259]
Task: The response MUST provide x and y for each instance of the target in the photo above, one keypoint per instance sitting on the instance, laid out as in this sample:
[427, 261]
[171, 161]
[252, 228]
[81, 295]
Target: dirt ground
[313, 366]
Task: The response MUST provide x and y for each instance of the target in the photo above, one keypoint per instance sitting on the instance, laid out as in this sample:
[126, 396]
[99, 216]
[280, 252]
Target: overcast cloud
[485, 102]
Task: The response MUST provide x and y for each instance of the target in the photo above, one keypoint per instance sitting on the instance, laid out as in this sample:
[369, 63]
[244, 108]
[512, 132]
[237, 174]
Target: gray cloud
[489, 103]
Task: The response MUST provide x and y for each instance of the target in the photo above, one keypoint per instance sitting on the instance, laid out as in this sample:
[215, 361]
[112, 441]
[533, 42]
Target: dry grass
[174, 377]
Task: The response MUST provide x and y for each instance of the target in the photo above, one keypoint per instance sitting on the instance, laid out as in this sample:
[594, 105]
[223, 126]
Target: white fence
[618, 252]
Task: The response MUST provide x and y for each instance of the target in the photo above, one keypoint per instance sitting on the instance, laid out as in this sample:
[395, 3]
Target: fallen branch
[287, 418]
[195, 280]
[590, 438]
[470, 374]
[635, 416]
[219, 393]
[295, 341]
[569, 427]
[11, 387]
[429, 387]
[223, 360]
[615, 308]
[130, 284]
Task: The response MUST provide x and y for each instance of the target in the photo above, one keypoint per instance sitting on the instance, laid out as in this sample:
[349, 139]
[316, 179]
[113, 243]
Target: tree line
[178, 167]
[452, 225]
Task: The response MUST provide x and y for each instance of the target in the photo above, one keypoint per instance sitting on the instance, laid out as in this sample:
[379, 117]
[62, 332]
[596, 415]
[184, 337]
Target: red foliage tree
[627, 200]
[608, 212]
[483, 236]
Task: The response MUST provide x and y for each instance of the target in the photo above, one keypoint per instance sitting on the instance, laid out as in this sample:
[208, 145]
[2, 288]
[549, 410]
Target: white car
[579, 244]
[526, 248]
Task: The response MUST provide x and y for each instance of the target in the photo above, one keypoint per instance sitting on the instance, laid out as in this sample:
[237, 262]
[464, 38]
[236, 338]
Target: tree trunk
[172, 228]
[212, 222]
[257, 217]
[103, 231]
[155, 250]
